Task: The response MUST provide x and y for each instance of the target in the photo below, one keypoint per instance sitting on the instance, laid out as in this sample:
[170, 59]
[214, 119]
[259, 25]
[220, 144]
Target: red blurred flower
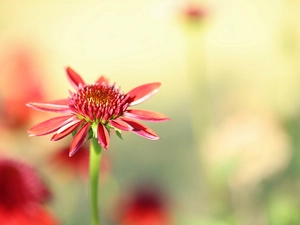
[21, 195]
[145, 206]
[19, 85]
[95, 109]
[79, 163]
[194, 12]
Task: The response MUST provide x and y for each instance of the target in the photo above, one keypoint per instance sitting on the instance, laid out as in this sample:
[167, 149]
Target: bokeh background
[230, 77]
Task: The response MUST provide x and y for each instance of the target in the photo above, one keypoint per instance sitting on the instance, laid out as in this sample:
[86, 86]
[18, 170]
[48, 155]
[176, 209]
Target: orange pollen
[98, 103]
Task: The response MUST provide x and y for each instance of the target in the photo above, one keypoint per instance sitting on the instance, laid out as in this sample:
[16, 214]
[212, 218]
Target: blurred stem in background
[95, 159]
[200, 104]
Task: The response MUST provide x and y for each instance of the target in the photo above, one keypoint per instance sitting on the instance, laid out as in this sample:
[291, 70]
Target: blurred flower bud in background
[23, 195]
[143, 204]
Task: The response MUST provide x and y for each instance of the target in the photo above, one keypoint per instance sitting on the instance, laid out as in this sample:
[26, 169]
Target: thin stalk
[95, 158]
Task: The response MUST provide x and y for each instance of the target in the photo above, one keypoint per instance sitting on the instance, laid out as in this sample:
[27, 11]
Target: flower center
[98, 103]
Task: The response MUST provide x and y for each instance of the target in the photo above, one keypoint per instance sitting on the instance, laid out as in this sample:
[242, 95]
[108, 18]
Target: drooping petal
[103, 80]
[74, 78]
[50, 126]
[54, 106]
[146, 115]
[79, 139]
[66, 130]
[141, 129]
[120, 124]
[60, 102]
[142, 93]
[103, 136]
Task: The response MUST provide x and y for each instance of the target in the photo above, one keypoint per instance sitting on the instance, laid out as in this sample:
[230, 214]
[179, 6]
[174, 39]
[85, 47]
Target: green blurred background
[230, 73]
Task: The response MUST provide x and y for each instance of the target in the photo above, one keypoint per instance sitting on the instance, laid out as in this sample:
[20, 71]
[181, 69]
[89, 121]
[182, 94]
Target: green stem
[95, 158]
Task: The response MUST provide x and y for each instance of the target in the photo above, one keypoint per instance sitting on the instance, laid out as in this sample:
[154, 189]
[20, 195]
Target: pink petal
[142, 93]
[54, 106]
[66, 130]
[74, 78]
[141, 129]
[60, 102]
[103, 136]
[50, 126]
[146, 115]
[79, 139]
[120, 124]
[103, 80]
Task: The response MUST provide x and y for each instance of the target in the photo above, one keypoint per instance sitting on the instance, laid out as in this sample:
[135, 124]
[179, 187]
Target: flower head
[22, 194]
[93, 110]
[17, 65]
[144, 205]
[195, 12]
[78, 165]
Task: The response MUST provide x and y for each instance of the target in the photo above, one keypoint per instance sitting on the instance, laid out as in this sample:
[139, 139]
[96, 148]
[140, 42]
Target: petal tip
[72, 152]
[103, 136]
[30, 104]
[156, 138]
[146, 115]
[74, 78]
[104, 147]
[53, 138]
[143, 92]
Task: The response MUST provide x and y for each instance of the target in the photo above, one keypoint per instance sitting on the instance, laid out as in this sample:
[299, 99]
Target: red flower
[16, 66]
[79, 163]
[94, 110]
[21, 195]
[145, 206]
[194, 12]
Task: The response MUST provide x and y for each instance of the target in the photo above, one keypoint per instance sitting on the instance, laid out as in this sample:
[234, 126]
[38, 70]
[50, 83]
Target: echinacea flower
[195, 12]
[17, 65]
[93, 110]
[145, 205]
[22, 195]
[78, 165]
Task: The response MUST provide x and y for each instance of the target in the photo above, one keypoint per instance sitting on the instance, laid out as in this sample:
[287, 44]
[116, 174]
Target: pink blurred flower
[194, 12]
[95, 109]
[78, 164]
[22, 194]
[19, 84]
[145, 205]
